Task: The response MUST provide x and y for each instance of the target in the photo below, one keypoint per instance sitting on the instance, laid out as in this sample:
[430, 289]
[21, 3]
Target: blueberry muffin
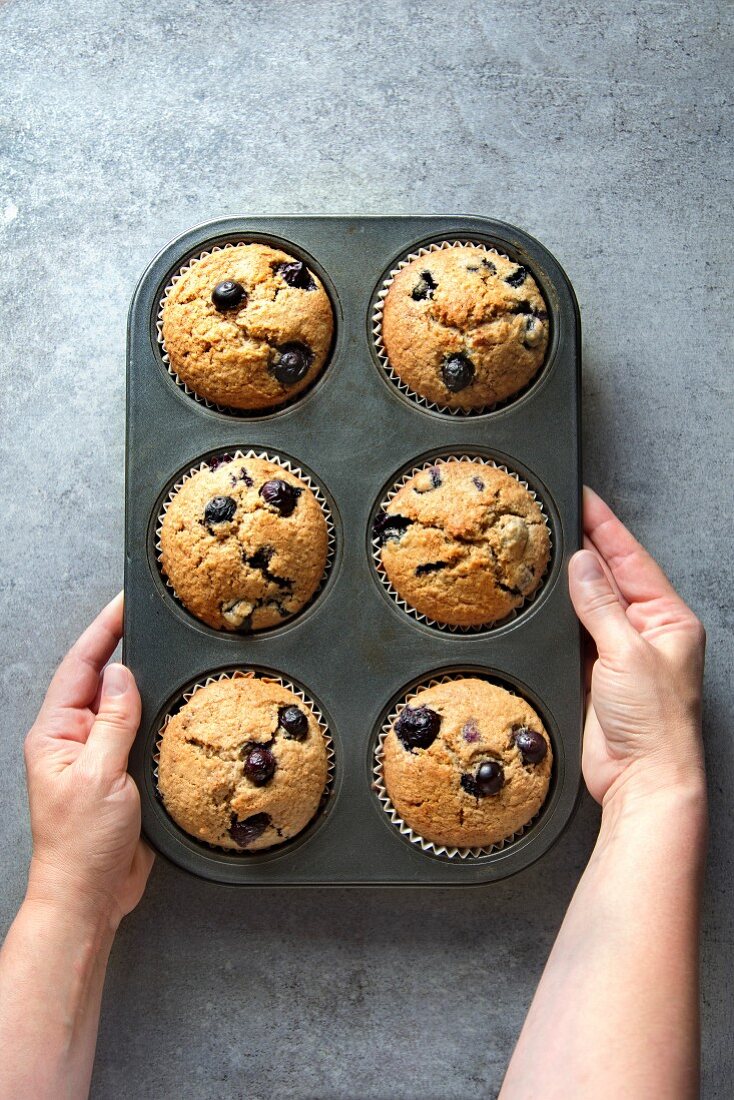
[248, 327]
[465, 327]
[467, 764]
[243, 764]
[244, 544]
[463, 543]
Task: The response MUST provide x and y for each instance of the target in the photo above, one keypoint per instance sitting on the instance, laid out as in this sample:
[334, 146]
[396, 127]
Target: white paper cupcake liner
[376, 546]
[291, 467]
[308, 704]
[378, 783]
[381, 351]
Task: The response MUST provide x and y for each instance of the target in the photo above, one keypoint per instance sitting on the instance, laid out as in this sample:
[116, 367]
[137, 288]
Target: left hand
[85, 809]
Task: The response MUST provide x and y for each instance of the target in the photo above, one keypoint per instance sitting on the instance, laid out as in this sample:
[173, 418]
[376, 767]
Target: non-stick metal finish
[354, 650]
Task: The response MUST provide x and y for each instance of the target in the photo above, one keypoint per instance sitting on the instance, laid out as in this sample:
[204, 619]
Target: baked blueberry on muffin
[244, 544]
[465, 327]
[248, 327]
[466, 763]
[243, 764]
[463, 543]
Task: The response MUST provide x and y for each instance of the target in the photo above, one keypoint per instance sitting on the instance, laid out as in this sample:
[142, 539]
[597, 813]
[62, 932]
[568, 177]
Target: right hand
[643, 722]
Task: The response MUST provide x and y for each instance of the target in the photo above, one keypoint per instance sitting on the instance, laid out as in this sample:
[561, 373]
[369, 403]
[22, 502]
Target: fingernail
[116, 680]
[587, 567]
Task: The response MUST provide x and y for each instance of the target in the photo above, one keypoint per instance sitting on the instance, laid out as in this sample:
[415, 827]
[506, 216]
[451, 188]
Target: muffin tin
[354, 650]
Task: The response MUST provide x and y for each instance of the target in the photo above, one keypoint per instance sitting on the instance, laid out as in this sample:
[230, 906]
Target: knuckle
[115, 721]
[630, 651]
[634, 648]
[91, 771]
[601, 601]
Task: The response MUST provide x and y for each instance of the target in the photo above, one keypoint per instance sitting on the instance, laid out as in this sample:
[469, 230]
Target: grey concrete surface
[605, 130]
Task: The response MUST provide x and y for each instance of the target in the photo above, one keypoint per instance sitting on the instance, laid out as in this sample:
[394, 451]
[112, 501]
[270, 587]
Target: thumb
[117, 720]
[597, 605]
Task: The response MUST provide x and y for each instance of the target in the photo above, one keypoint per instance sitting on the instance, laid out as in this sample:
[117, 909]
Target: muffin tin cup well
[287, 464]
[442, 851]
[308, 704]
[408, 609]
[353, 650]
[165, 358]
[381, 351]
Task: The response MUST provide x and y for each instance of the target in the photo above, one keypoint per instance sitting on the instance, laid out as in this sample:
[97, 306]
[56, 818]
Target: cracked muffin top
[243, 764]
[244, 544]
[248, 327]
[463, 543]
[467, 763]
[465, 327]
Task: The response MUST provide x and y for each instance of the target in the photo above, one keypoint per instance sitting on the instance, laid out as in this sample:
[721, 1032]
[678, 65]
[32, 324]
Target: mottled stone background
[602, 128]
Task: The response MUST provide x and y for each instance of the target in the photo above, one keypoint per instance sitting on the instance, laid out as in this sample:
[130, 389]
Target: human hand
[85, 809]
[643, 719]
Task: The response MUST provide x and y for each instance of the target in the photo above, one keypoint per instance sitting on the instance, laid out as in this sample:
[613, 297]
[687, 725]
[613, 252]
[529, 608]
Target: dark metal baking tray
[354, 650]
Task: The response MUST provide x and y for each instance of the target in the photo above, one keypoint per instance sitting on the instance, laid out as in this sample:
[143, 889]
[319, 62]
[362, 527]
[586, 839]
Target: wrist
[673, 805]
[71, 903]
[85, 938]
